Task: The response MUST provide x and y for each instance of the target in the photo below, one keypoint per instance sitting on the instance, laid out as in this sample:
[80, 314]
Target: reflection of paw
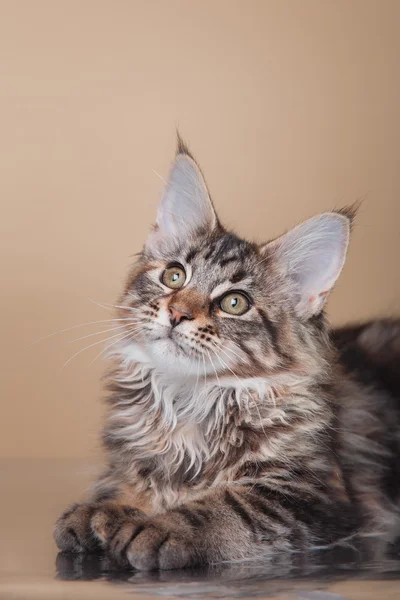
[144, 543]
[73, 531]
[81, 566]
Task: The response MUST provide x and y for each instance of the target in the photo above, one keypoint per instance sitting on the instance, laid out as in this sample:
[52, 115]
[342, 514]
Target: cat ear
[312, 256]
[185, 206]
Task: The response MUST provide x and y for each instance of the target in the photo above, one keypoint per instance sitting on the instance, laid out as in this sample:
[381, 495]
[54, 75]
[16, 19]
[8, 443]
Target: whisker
[227, 367]
[215, 371]
[224, 364]
[100, 332]
[45, 337]
[254, 401]
[224, 350]
[231, 350]
[132, 296]
[204, 369]
[87, 347]
[110, 345]
[197, 379]
[107, 306]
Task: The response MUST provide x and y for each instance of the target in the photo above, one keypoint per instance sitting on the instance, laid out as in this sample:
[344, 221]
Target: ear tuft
[350, 211]
[182, 147]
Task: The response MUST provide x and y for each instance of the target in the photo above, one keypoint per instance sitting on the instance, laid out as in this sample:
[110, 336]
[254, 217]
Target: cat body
[238, 424]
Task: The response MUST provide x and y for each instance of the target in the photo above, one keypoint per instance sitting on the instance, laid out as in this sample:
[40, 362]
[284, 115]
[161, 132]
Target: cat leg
[228, 524]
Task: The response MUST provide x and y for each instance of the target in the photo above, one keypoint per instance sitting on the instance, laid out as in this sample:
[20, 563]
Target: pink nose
[178, 314]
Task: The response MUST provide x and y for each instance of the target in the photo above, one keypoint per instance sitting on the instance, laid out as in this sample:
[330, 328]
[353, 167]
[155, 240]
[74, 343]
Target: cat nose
[178, 314]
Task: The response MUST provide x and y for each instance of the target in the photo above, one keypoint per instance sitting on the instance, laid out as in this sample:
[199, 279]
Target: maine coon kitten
[238, 425]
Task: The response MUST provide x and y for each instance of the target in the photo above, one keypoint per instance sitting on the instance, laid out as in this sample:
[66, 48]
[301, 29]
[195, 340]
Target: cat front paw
[144, 543]
[73, 531]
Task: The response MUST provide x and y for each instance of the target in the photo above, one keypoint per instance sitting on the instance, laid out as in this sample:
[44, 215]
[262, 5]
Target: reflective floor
[33, 494]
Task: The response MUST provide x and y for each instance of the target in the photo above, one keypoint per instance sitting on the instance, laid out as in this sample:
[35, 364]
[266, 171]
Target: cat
[239, 425]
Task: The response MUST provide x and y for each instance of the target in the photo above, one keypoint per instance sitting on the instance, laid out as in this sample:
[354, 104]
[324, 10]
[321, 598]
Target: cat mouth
[179, 343]
[173, 343]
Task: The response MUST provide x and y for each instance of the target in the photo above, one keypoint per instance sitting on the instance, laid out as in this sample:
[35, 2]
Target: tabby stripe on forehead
[191, 254]
[239, 509]
[238, 276]
[211, 251]
[225, 261]
[222, 246]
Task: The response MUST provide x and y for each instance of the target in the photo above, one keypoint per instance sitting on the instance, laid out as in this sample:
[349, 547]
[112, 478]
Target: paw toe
[67, 539]
[104, 522]
[176, 554]
[143, 550]
[72, 532]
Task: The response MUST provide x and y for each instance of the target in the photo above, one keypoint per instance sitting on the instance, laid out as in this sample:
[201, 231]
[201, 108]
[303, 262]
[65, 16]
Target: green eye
[174, 277]
[235, 303]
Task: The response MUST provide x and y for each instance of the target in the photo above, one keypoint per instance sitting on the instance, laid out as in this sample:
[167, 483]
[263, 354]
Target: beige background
[292, 107]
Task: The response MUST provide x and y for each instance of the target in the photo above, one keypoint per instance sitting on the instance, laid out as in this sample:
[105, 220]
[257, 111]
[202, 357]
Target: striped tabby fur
[232, 437]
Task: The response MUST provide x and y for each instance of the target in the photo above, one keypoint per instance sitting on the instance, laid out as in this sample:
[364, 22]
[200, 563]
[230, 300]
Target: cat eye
[235, 303]
[174, 277]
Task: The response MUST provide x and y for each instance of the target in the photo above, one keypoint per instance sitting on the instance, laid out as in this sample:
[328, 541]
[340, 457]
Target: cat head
[201, 301]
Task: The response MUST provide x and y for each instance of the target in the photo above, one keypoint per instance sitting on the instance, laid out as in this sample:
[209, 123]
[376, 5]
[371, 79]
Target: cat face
[203, 302]
[204, 306]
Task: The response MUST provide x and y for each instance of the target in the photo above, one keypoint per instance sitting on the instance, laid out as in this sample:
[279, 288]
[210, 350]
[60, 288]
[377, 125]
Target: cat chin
[169, 357]
[164, 355]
